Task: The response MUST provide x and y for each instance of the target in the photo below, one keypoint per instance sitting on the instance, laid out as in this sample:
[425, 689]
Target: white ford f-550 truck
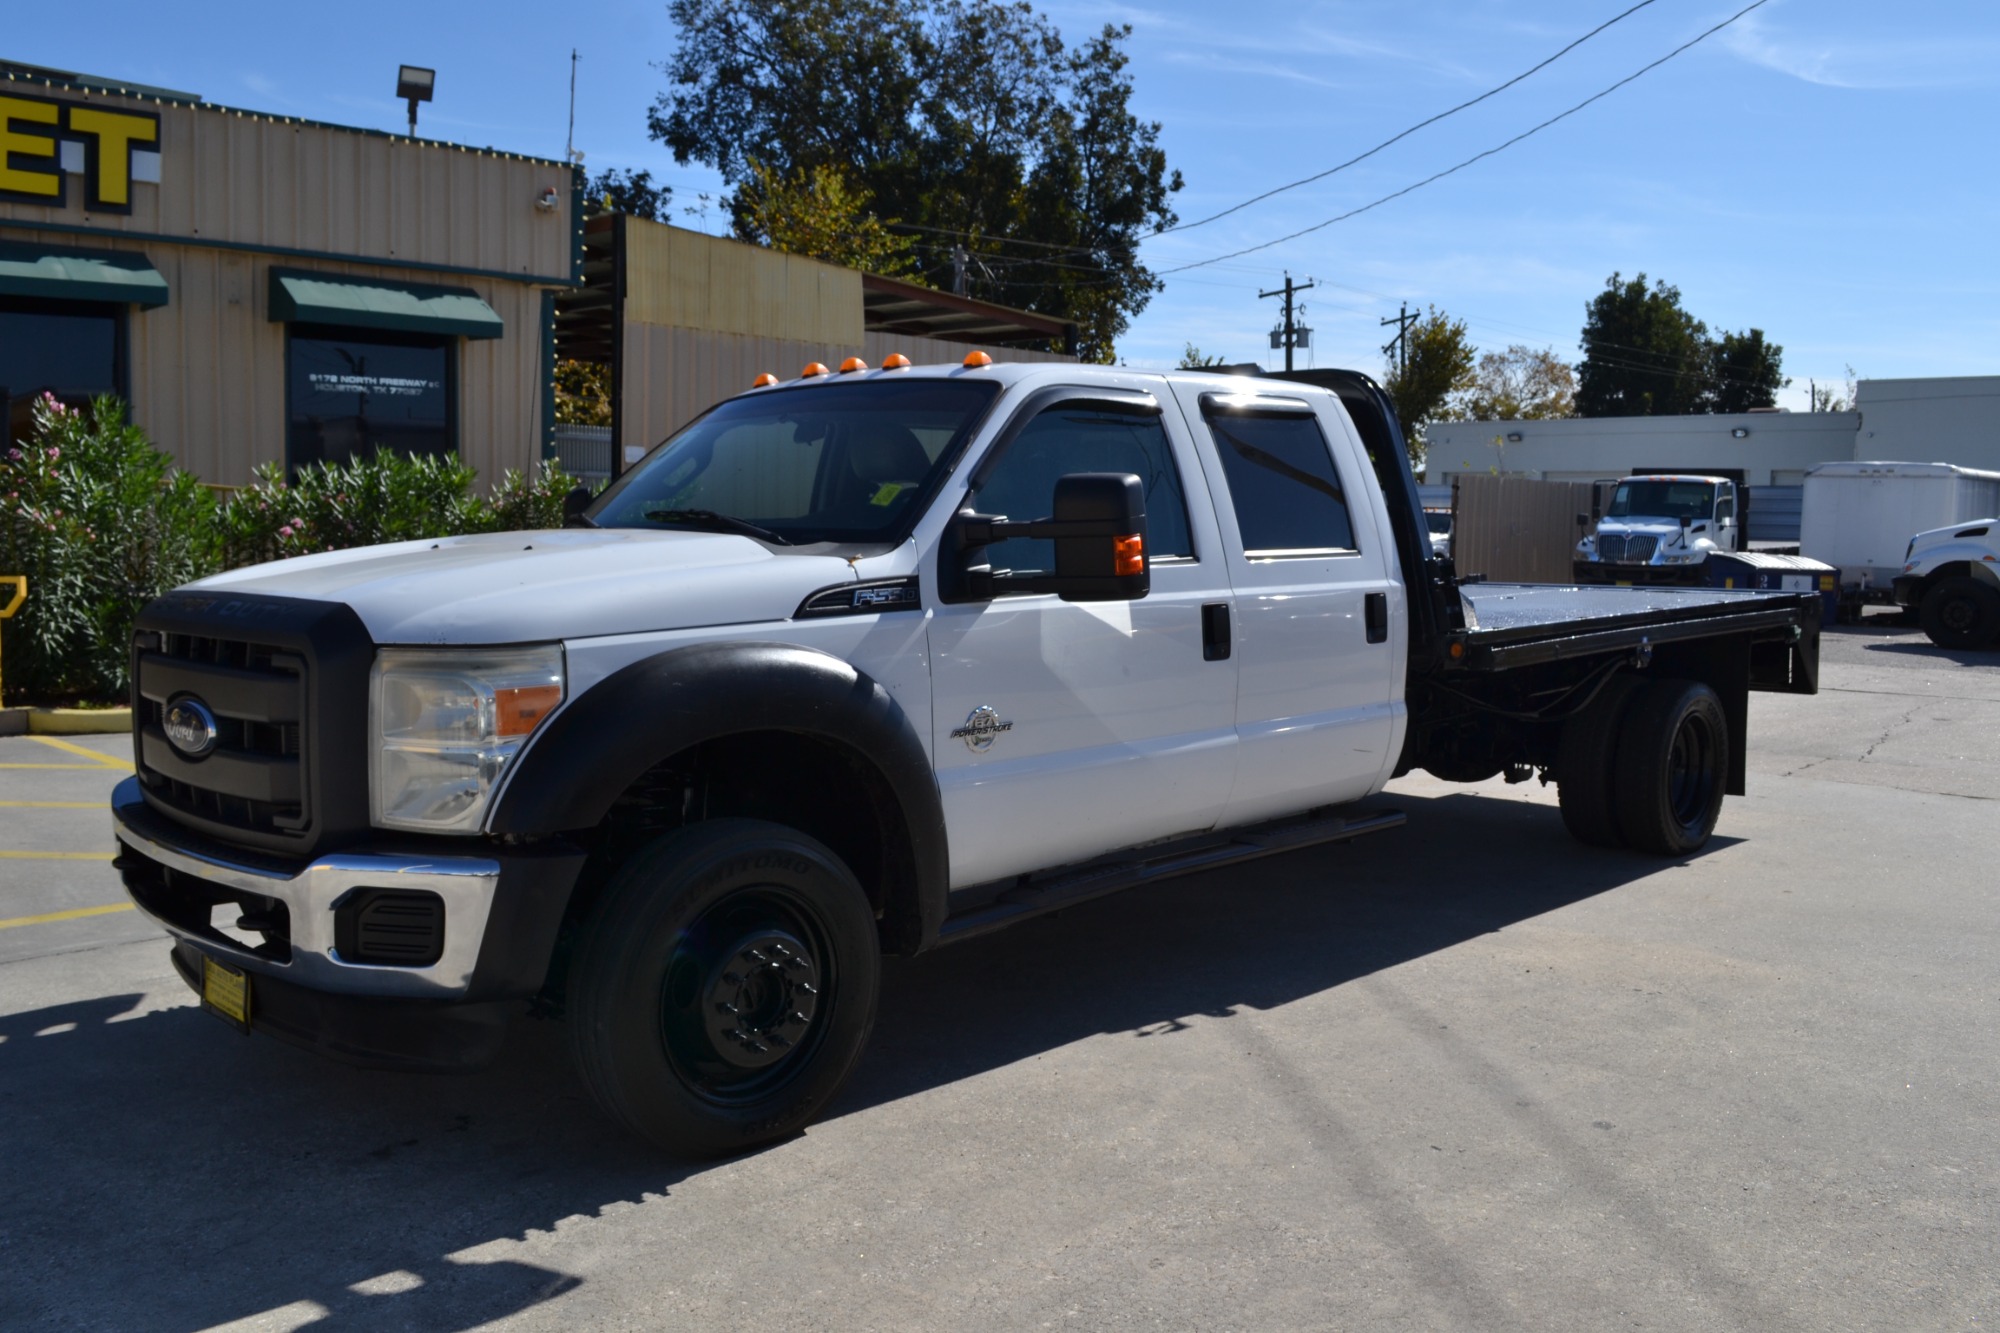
[1661, 529]
[856, 663]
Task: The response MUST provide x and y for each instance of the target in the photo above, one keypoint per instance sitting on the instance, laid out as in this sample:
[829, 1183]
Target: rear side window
[1282, 484]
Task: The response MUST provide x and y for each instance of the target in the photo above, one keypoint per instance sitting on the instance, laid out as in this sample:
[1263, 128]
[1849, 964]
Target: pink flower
[54, 452]
[285, 531]
[13, 455]
[298, 523]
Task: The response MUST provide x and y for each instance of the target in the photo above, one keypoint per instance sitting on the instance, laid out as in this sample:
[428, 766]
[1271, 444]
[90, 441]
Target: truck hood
[1665, 529]
[519, 587]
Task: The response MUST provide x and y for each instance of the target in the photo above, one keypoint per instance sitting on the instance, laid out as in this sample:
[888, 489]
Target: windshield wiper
[708, 518]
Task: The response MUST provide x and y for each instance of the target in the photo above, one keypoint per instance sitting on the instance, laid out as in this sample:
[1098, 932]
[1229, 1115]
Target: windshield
[1687, 500]
[843, 463]
[1439, 522]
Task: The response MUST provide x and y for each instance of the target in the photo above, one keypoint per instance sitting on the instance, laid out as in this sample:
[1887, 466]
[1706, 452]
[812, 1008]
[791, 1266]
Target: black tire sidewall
[1985, 603]
[1642, 795]
[616, 984]
[1586, 756]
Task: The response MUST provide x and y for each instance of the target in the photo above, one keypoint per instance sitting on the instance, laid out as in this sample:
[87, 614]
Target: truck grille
[254, 777]
[1623, 550]
[283, 682]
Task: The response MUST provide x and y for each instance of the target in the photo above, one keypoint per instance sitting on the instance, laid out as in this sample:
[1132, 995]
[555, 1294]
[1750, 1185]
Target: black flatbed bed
[1510, 625]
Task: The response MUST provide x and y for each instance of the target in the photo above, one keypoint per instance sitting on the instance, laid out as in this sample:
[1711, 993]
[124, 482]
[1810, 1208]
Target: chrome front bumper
[310, 895]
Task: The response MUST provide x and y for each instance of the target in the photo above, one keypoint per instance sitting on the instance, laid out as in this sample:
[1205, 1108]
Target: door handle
[1377, 616]
[1215, 632]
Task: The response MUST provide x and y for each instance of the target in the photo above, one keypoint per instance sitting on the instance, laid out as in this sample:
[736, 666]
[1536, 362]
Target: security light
[1513, 437]
[1739, 433]
[414, 84]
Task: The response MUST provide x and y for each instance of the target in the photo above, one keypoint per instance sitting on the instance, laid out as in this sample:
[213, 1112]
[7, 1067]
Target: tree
[1643, 355]
[820, 213]
[1743, 372]
[1003, 152]
[583, 393]
[1436, 366]
[1193, 358]
[1830, 398]
[629, 192]
[1520, 384]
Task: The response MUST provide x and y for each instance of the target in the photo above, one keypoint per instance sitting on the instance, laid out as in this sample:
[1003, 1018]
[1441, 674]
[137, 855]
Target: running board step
[1040, 894]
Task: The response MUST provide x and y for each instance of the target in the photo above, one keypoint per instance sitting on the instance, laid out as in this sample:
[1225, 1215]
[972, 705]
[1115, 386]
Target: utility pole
[1292, 334]
[569, 146]
[958, 274]
[1399, 346]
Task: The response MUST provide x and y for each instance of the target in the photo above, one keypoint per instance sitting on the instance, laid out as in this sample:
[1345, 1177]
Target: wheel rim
[1691, 771]
[1958, 615]
[746, 994]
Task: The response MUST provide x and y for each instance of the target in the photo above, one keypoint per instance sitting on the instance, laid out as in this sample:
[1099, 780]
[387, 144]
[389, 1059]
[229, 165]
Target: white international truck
[1951, 579]
[860, 663]
[1661, 528]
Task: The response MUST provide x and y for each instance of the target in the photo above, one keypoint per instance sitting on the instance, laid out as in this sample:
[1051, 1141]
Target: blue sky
[1823, 169]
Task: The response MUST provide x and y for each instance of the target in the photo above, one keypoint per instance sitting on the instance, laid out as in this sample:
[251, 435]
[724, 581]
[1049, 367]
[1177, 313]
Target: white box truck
[1859, 518]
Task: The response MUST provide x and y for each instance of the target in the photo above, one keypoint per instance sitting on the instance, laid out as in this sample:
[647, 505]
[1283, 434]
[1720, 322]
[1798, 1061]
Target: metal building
[262, 288]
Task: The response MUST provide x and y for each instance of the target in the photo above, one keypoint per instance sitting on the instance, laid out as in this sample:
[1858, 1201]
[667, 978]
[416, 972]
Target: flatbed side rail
[1533, 651]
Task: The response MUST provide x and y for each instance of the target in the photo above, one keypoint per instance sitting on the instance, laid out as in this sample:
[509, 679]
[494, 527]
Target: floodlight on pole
[415, 84]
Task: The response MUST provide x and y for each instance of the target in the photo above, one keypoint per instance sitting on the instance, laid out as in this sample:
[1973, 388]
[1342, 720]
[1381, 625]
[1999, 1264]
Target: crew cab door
[1321, 624]
[1065, 729]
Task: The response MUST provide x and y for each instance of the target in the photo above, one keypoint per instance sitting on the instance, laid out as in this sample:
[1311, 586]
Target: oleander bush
[101, 522]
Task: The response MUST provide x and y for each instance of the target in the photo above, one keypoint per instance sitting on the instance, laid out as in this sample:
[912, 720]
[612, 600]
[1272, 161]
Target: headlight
[444, 722]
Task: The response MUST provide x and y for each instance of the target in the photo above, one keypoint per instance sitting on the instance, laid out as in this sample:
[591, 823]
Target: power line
[1397, 138]
[1479, 157]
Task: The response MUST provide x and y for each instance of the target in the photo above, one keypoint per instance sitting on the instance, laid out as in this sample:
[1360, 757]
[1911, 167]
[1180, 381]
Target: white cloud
[1864, 61]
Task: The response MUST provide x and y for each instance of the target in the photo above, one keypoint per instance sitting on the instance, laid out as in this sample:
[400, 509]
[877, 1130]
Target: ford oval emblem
[190, 727]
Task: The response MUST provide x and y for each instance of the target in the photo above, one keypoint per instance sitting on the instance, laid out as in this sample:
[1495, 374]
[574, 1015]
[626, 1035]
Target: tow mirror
[1099, 531]
[1583, 520]
[574, 504]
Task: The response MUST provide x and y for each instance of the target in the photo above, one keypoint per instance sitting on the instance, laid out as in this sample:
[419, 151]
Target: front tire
[1961, 612]
[1673, 763]
[724, 987]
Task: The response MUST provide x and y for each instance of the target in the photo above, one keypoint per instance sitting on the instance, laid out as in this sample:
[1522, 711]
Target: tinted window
[1282, 483]
[71, 351]
[1662, 499]
[1022, 485]
[351, 393]
[850, 463]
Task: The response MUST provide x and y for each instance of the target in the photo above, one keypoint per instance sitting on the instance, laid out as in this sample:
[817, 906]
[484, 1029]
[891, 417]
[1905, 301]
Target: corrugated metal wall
[259, 180]
[1774, 513]
[687, 280]
[208, 368]
[1516, 530]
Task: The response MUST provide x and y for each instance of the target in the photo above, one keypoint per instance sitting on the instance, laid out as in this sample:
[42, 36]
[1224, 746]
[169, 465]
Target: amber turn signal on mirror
[1128, 555]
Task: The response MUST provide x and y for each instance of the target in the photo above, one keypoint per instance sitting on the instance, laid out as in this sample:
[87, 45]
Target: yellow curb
[79, 721]
[71, 915]
[107, 760]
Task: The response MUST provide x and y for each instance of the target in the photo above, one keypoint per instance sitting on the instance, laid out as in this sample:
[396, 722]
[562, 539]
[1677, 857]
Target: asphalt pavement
[1465, 1075]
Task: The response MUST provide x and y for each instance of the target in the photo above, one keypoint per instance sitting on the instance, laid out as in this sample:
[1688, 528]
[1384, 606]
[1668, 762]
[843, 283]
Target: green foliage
[1193, 358]
[1645, 355]
[629, 192]
[973, 126]
[1436, 367]
[101, 523]
[819, 212]
[1744, 372]
[1520, 384]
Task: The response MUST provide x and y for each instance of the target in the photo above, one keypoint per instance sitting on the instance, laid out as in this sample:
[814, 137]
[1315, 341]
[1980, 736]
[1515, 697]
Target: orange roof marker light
[764, 381]
[895, 361]
[814, 369]
[974, 360]
[852, 364]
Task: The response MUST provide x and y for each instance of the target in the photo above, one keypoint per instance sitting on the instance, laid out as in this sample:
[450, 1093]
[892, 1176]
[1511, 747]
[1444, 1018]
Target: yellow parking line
[56, 856]
[71, 915]
[109, 761]
[52, 805]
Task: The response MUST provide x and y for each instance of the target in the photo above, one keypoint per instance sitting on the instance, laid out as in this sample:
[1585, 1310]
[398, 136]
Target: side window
[1725, 508]
[1062, 440]
[1282, 484]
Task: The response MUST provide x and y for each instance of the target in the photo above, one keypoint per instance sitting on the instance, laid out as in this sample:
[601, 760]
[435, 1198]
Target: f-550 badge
[982, 724]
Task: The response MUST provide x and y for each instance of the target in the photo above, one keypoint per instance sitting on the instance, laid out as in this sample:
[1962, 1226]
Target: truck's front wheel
[1961, 612]
[1673, 763]
[724, 987]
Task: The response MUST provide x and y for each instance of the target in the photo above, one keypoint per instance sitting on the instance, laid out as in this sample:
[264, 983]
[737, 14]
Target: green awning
[301, 297]
[79, 275]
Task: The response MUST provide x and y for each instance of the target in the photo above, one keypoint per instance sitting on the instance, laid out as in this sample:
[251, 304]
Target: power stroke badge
[982, 724]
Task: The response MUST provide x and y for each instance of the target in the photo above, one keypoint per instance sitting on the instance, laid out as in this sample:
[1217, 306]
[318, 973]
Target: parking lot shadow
[1971, 657]
[163, 1172]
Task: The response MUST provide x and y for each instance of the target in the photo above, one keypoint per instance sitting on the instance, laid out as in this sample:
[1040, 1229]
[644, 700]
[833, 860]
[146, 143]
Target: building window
[70, 349]
[350, 392]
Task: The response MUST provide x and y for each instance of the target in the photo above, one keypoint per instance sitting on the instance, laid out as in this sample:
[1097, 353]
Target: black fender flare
[645, 712]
